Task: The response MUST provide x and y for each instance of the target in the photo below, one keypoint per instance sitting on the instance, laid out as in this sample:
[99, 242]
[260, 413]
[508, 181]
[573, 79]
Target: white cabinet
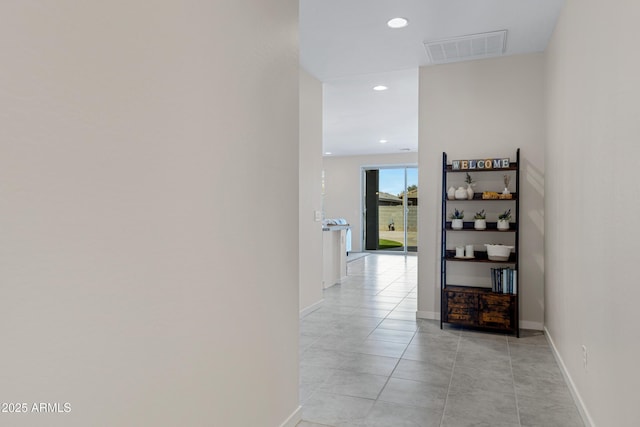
[334, 254]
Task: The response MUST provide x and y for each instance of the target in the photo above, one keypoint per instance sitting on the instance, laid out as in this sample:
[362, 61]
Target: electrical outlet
[317, 215]
[585, 356]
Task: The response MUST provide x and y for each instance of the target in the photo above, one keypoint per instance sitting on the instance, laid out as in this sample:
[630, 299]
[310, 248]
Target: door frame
[363, 222]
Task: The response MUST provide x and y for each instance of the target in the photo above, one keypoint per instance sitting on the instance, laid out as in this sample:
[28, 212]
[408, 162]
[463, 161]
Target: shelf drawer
[461, 307]
[461, 315]
[496, 311]
[461, 298]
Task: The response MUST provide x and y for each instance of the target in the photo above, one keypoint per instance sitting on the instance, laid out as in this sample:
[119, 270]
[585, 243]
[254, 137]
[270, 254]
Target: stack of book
[504, 280]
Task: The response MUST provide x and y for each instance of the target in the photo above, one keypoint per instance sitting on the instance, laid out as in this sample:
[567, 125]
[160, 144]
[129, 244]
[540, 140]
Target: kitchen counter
[334, 254]
[336, 227]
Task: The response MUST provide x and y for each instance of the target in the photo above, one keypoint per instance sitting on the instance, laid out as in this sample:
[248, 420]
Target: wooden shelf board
[491, 226]
[512, 167]
[480, 256]
[477, 197]
[474, 290]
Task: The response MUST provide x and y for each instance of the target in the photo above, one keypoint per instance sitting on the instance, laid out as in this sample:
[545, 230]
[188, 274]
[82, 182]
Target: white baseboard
[435, 315]
[310, 309]
[431, 315]
[535, 326]
[582, 409]
[325, 286]
[294, 418]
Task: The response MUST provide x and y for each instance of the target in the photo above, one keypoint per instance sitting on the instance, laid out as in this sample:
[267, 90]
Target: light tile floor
[366, 361]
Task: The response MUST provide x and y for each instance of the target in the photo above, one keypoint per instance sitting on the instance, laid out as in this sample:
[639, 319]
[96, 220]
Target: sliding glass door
[390, 209]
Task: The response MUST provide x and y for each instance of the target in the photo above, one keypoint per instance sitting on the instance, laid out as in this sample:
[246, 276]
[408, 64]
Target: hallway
[366, 361]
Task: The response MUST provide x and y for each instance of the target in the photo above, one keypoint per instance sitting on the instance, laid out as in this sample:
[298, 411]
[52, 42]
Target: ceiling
[347, 45]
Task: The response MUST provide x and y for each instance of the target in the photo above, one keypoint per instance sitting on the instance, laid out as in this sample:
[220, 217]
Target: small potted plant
[480, 222]
[470, 183]
[503, 220]
[456, 219]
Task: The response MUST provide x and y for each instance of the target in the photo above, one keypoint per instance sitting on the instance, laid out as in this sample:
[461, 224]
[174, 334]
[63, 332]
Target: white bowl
[498, 252]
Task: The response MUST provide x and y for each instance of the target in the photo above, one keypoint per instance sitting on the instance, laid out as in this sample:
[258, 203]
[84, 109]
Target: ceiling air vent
[474, 46]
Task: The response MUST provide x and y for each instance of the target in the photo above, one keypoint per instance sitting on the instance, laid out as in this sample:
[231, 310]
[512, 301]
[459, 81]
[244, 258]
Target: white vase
[469, 192]
[451, 193]
[461, 193]
[480, 224]
[503, 224]
[456, 224]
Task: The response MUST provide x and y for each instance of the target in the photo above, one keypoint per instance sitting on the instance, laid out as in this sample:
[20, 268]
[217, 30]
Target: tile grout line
[377, 326]
[399, 358]
[363, 290]
[339, 366]
[396, 366]
[446, 399]
[513, 381]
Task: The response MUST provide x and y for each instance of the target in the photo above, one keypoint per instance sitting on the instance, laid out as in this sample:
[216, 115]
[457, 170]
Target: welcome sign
[480, 164]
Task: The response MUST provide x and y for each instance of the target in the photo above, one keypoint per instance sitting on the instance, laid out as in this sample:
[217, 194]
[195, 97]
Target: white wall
[125, 126]
[343, 187]
[310, 191]
[482, 109]
[592, 156]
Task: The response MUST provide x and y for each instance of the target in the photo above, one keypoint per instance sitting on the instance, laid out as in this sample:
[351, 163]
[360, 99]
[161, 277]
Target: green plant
[469, 180]
[505, 216]
[457, 214]
[480, 215]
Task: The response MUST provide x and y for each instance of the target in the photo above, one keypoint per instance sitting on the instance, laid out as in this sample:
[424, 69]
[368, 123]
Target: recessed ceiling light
[405, 149]
[383, 141]
[328, 153]
[397, 23]
[380, 88]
